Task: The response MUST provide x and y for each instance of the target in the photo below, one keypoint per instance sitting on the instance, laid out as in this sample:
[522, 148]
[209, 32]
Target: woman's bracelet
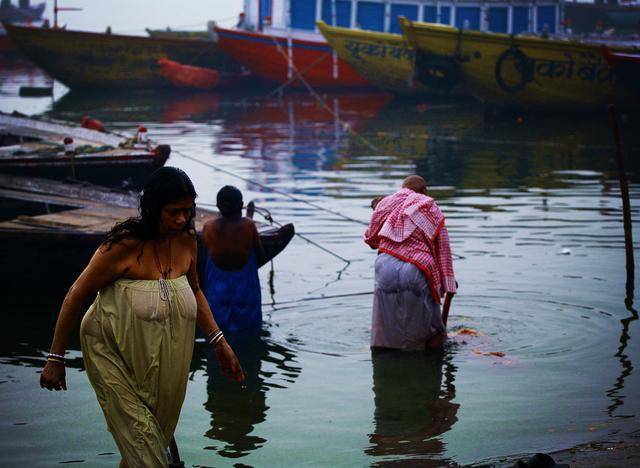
[215, 337]
[59, 361]
[55, 356]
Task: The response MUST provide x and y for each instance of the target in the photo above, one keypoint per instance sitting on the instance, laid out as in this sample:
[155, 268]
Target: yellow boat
[382, 58]
[505, 70]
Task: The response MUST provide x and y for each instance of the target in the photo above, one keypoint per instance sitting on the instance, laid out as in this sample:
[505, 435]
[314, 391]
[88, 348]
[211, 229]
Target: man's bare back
[230, 241]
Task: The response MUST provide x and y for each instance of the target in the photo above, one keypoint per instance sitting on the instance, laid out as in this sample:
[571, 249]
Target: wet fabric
[411, 227]
[234, 295]
[405, 315]
[137, 350]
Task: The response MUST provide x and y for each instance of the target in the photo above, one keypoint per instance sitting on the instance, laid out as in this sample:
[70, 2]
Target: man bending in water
[413, 270]
[231, 283]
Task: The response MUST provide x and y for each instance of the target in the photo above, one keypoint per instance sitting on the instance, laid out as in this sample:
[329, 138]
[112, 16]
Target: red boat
[283, 59]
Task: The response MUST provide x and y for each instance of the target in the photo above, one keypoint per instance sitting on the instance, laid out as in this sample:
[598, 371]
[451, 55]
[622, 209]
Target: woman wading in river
[137, 337]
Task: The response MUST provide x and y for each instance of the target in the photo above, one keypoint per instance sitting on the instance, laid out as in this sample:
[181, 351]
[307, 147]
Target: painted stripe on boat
[269, 40]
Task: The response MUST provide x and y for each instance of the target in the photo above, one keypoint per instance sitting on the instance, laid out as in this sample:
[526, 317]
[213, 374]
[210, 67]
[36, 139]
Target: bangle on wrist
[56, 360]
[215, 337]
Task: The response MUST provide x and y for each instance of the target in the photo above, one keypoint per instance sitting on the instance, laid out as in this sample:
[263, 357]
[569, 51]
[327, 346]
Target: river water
[543, 345]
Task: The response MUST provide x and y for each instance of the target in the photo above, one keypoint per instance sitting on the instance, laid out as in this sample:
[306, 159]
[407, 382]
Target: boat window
[398, 9]
[498, 19]
[470, 15]
[445, 15]
[520, 19]
[303, 14]
[430, 14]
[343, 12]
[370, 15]
[546, 17]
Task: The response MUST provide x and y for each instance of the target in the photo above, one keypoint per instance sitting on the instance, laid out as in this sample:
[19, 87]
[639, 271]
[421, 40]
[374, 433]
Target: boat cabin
[516, 16]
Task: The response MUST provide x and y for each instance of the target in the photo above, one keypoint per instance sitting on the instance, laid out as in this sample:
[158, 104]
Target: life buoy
[522, 65]
[437, 72]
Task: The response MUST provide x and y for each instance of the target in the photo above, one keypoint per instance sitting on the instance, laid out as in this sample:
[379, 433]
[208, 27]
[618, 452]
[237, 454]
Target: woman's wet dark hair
[163, 186]
[229, 201]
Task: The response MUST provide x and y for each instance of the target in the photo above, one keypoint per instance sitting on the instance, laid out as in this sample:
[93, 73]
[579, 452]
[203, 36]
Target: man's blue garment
[234, 295]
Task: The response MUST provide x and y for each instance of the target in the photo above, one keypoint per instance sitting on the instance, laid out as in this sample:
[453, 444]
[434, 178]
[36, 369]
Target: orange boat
[188, 76]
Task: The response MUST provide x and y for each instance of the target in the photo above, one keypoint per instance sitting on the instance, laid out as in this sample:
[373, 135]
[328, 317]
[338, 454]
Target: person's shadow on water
[412, 407]
[237, 408]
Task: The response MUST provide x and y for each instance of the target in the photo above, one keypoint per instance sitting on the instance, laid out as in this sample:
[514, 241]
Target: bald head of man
[415, 183]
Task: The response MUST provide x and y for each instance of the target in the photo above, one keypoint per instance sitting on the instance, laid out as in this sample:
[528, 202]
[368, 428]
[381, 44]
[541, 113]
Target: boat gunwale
[413, 29]
[280, 40]
[349, 32]
[13, 29]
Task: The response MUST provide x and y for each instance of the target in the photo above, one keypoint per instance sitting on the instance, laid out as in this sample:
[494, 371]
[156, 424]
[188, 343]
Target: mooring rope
[269, 218]
[279, 192]
[313, 92]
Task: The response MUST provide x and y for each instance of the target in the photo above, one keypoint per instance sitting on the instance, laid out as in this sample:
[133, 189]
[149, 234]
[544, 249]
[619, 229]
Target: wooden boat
[384, 59]
[190, 77]
[35, 147]
[504, 70]
[277, 39]
[279, 58]
[626, 66]
[50, 229]
[95, 60]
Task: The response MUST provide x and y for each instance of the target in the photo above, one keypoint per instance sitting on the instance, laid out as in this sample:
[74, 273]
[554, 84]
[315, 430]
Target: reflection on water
[413, 407]
[237, 408]
[615, 393]
[533, 209]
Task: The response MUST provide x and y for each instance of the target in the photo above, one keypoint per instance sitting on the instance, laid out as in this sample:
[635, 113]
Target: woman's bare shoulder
[123, 252]
[186, 240]
[122, 246]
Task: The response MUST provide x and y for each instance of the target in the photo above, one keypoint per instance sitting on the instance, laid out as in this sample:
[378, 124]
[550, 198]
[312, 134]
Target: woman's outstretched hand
[229, 361]
[53, 376]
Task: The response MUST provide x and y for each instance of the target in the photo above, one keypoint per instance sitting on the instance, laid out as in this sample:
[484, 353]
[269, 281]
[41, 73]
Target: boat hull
[627, 67]
[267, 57]
[123, 171]
[384, 59]
[83, 60]
[523, 71]
[49, 230]
[33, 147]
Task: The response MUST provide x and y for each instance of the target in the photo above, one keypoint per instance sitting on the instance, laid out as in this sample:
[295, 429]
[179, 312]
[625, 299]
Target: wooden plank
[108, 213]
[67, 219]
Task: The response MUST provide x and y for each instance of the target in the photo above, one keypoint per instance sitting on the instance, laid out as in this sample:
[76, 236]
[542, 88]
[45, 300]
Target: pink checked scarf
[410, 226]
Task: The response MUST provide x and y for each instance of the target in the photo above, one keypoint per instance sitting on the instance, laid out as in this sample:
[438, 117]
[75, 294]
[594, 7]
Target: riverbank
[621, 449]
[618, 449]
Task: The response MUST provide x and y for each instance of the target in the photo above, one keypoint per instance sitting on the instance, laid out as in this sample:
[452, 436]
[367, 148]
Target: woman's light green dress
[137, 348]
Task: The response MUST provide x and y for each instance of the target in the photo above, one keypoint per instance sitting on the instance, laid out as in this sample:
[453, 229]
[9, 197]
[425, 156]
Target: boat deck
[79, 208]
[35, 147]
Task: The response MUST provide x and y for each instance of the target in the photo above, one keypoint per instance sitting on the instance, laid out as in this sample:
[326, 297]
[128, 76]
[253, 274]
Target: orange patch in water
[488, 353]
[465, 331]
